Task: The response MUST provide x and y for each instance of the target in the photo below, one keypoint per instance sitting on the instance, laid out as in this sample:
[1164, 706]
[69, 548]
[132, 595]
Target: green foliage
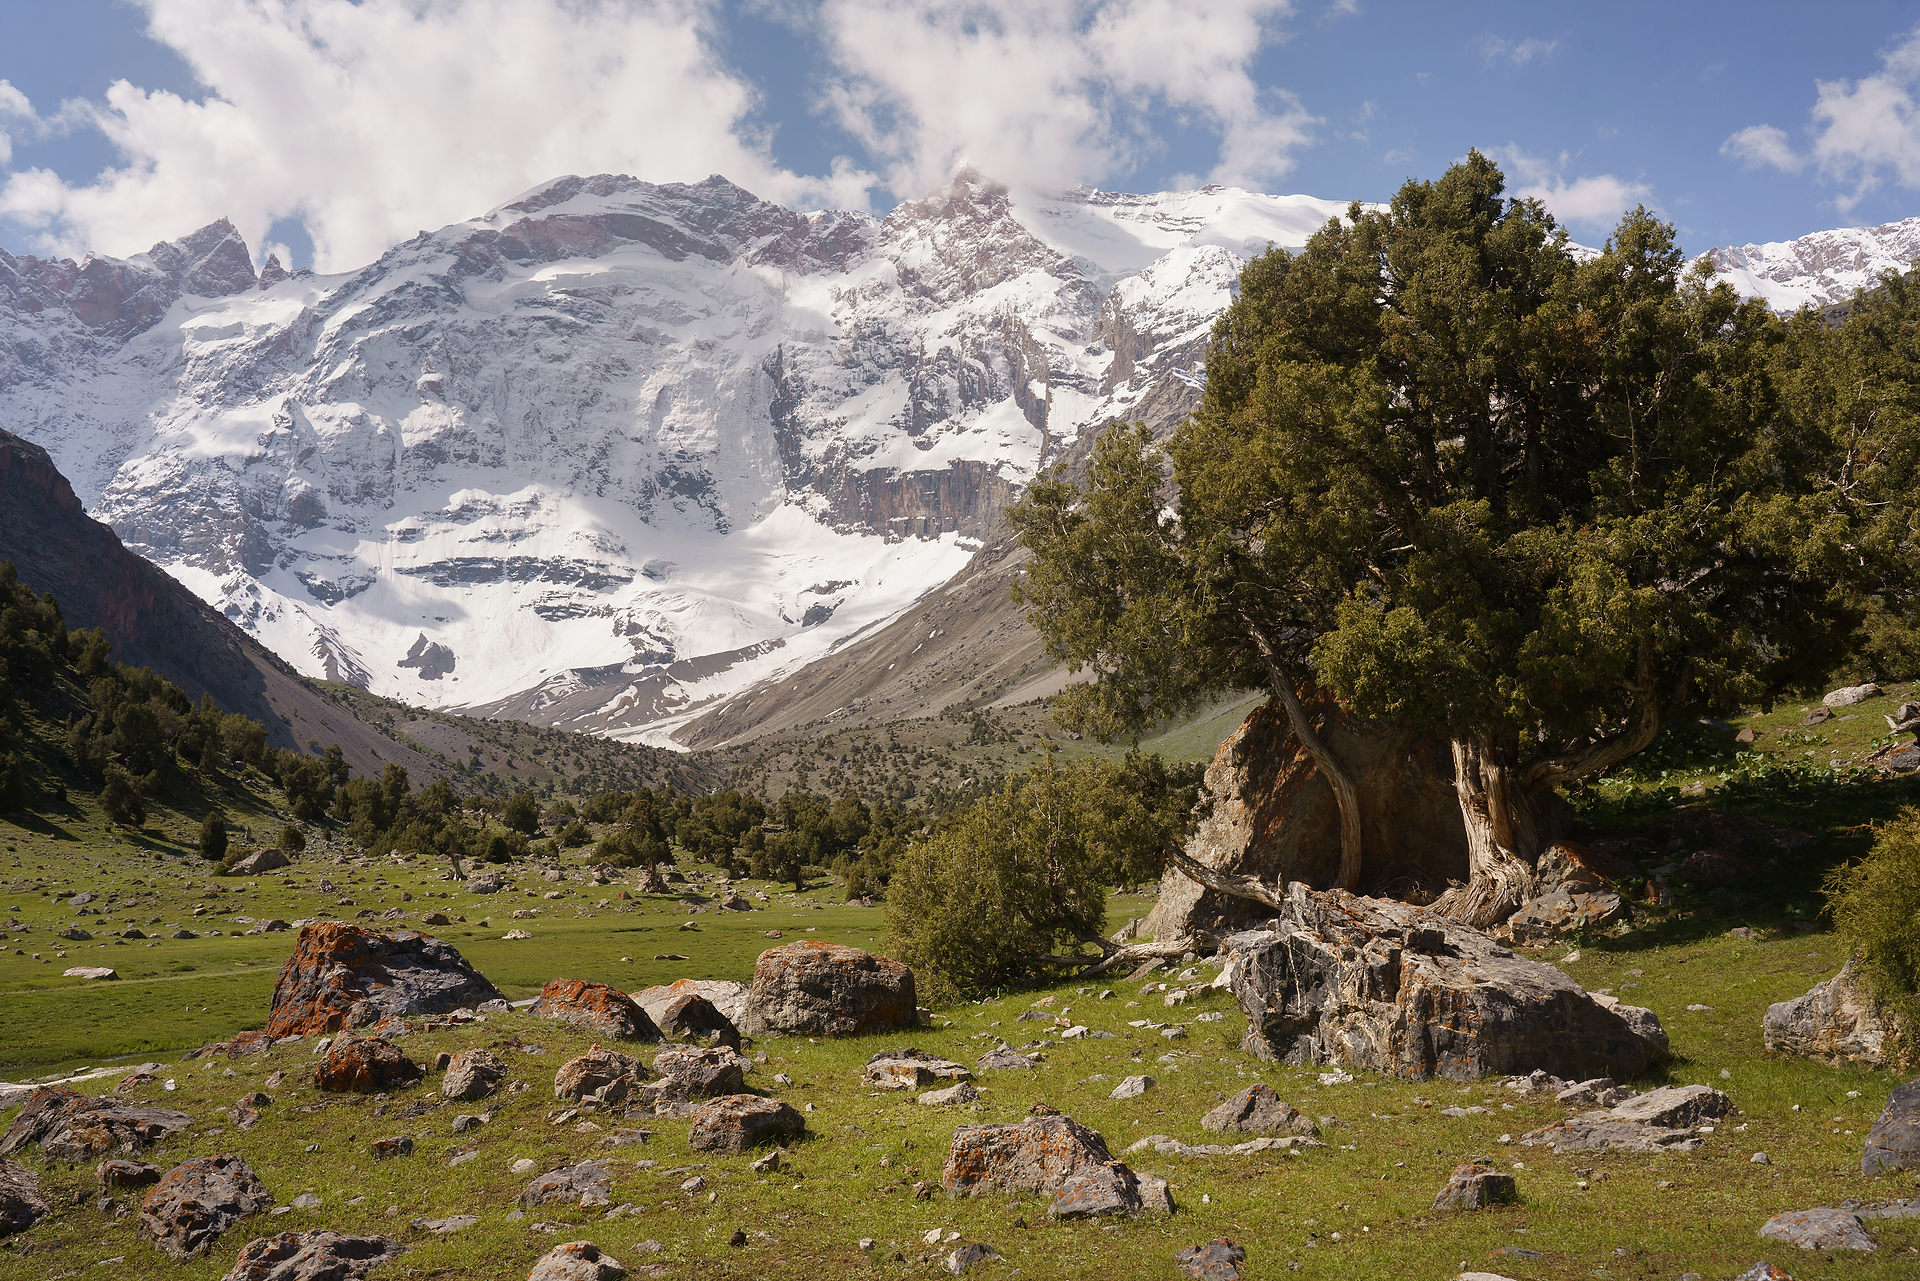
[14, 789]
[1002, 888]
[640, 839]
[292, 839]
[715, 826]
[522, 814]
[572, 836]
[1875, 906]
[213, 836]
[119, 799]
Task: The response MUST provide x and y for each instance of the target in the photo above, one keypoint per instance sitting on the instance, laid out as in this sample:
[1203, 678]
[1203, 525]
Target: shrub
[1875, 905]
[120, 800]
[213, 836]
[292, 839]
[522, 814]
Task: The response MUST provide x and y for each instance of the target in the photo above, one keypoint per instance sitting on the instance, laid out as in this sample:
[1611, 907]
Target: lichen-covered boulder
[701, 1072]
[741, 1121]
[317, 1255]
[606, 1011]
[344, 977]
[1395, 989]
[577, 1261]
[364, 1065]
[198, 1200]
[73, 1127]
[1053, 1156]
[1894, 1141]
[585, 1184]
[1837, 1022]
[828, 989]
[473, 1074]
[599, 1074]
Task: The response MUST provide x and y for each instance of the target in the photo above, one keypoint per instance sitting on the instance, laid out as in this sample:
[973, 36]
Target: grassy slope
[801, 1224]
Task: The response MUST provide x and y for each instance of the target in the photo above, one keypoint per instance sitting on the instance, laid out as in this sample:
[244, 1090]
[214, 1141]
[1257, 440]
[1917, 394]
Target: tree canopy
[1469, 479]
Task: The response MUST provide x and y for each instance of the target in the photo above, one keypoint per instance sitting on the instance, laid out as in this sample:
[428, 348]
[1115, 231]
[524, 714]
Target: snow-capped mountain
[1822, 269]
[612, 452]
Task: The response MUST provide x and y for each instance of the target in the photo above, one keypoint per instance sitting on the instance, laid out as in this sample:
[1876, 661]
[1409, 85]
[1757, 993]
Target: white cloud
[1763, 145]
[1517, 52]
[1862, 130]
[1046, 93]
[370, 120]
[1591, 201]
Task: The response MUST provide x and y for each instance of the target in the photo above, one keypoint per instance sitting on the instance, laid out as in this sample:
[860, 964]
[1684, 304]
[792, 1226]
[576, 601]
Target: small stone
[1759, 1158]
[1474, 1187]
[968, 1256]
[576, 1261]
[1218, 1260]
[307, 1201]
[738, 1238]
[525, 1165]
[1132, 1087]
[1820, 1229]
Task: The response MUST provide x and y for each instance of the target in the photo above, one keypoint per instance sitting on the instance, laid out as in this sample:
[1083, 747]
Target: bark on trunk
[1345, 794]
[1502, 837]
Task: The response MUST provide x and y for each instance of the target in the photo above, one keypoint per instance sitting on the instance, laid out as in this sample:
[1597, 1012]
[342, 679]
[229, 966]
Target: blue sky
[329, 129]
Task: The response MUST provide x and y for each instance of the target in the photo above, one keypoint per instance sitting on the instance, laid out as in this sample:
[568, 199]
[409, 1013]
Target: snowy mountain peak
[1822, 269]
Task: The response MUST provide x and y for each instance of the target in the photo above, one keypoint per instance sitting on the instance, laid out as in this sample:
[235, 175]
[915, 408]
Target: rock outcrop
[698, 1073]
[1257, 1110]
[199, 1200]
[576, 1261]
[72, 1127]
[909, 1069]
[1053, 1156]
[364, 1065]
[599, 1074]
[1273, 816]
[1838, 1021]
[21, 1204]
[728, 997]
[741, 1121]
[692, 1017]
[828, 989]
[344, 977]
[473, 1074]
[317, 1255]
[1394, 989]
[1820, 1229]
[1894, 1141]
[1663, 1120]
[605, 1011]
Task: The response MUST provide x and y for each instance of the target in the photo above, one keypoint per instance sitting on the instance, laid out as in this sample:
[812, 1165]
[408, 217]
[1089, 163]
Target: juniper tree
[1465, 480]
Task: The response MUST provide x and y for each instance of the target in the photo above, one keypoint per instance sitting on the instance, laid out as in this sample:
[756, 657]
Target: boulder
[317, 1255]
[1110, 1189]
[828, 989]
[1851, 694]
[1894, 1141]
[909, 1069]
[692, 1017]
[264, 860]
[485, 883]
[949, 1097]
[576, 1261]
[1660, 1120]
[1642, 1022]
[343, 977]
[1561, 911]
[726, 996]
[1005, 1060]
[599, 1074]
[1836, 1022]
[585, 1185]
[1822, 1229]
[702, 1072]
[364, 1065]
[1394, 989]
[195, 1202]
[605, 1011]
[116, 1174]
[90, 972]
[472, 1074]
[1675, 1106]
[1217, 1260]
[21, 1205]
[1475, 1187]
[1038, 1155]
[1167, 1145]
[1574, 866]
[67, 1126]
[741, 1121]
[1257, 1110]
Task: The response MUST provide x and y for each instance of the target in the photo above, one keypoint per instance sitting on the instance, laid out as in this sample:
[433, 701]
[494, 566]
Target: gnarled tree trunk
[1502, 837]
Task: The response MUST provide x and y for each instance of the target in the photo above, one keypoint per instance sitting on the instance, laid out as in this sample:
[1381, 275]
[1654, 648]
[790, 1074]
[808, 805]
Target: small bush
[292, 839]
[213, 837]
[120, 800]
[1875, 905]
[522, 814]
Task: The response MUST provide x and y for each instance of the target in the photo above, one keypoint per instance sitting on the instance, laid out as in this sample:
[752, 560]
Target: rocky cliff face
[1822, 269]
[612, 453]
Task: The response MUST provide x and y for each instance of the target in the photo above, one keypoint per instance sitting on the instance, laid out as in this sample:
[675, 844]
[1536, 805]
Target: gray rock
[692, 1017]
[197, 1201]
[447, 1226]
[1167, 1145]
[1051, 1156]
[1132, 1088]
[707, 1072]
[1837, 1021]
[577, 1261]
[464, 1121]
[1761, 1271]
[1640, 1021]
[952, 1095]
[1905, 1208]
[742, 1121]
[1109, 1189]
[1605, 1132]
[343, 977]
[1475, 1187]
[1675, 1106]
[1561, 911]
[1894, 1141]
[1850, 695]
[601, 1009]
[1005, 1061]
[1821, 1229]
[827, 989]
[909, 1069]
[968, 1256]
[306, 1201]
[73, 1127]
[585, 1184]
[600, 1074]
[1217, 1260]
[485, 883]
[1395, 989]
[724, 995]
[126, 1174]
[265, 860]
[21, 1205]
[473, 1074]
[318, 1255]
